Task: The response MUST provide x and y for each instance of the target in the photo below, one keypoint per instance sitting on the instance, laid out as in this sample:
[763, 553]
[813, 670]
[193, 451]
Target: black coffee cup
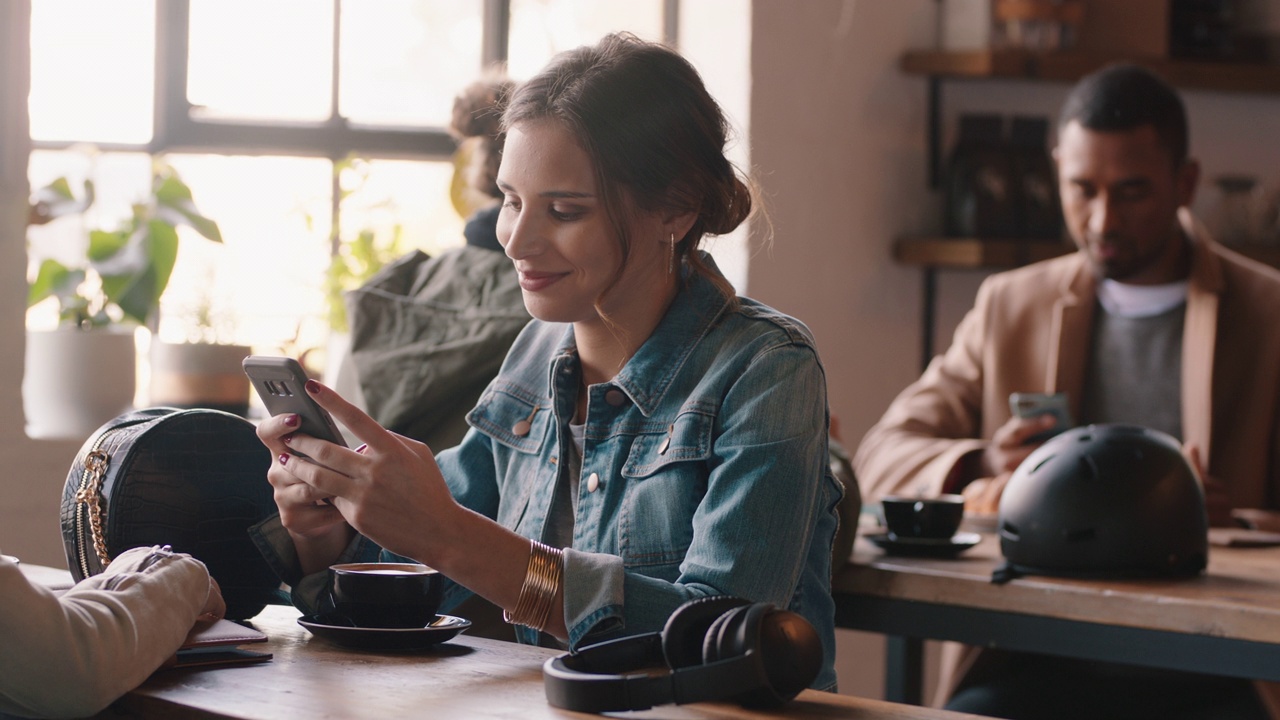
[386, 595]
[932, 518]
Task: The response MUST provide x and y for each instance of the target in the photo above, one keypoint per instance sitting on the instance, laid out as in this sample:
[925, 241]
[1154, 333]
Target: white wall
[31, 472]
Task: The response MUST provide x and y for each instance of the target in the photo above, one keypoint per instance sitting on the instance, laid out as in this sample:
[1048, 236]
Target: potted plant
[81, 374]
[203, 370]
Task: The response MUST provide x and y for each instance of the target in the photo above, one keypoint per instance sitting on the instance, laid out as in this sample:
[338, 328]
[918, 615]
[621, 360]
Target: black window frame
[178, 129]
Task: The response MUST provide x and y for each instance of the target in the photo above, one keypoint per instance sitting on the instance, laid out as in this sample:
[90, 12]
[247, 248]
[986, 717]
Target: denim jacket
[704, 468]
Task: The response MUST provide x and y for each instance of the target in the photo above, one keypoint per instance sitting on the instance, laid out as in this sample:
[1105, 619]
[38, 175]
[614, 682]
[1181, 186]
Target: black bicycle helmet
[1105, 501]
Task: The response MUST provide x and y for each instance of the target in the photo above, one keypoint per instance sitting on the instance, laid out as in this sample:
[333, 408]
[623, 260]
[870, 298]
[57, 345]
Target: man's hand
[982, 496]
[1009, 446]
[1216, 500]
[1006, 451]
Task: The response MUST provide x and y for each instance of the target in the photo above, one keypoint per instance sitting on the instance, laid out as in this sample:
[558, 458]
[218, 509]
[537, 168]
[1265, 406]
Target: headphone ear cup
[682, 636]
[714, 645]
[791, 652]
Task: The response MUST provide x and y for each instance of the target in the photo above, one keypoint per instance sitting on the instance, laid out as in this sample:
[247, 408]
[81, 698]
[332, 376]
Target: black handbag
[195, 480]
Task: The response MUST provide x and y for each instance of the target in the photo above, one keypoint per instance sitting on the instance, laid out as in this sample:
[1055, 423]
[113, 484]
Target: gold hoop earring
[671, 264]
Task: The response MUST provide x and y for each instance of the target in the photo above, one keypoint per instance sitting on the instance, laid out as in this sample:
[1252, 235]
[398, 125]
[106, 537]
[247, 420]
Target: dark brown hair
[654, 134]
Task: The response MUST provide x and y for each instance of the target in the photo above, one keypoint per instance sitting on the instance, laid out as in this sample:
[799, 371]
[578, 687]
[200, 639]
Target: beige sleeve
[73, 655]
[933, 422]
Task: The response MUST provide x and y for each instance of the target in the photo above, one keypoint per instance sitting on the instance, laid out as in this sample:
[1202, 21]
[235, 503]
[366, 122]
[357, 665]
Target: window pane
[715, 35]
[264, 285]
[92, 70]
[402, 61]
[261, 60]
[542, 28]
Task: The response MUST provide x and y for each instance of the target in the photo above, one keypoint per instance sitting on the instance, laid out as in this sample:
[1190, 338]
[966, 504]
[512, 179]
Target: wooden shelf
[975, 253]
[1068, 67]
[1002, 254]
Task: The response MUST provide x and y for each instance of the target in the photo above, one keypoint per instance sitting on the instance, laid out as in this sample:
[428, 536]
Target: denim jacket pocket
[666, 476]
[513, 417]
[520, 426]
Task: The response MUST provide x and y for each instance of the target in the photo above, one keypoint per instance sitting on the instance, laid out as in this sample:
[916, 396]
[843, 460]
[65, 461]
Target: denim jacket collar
[647, 376]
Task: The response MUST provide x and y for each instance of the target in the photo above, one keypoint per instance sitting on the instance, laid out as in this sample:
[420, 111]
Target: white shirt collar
[1139, 301]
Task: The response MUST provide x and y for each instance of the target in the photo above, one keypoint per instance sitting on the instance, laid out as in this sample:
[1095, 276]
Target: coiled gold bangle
[541, 583]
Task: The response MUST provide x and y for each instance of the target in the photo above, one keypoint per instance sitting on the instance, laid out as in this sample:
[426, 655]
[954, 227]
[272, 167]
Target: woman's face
[554, 227]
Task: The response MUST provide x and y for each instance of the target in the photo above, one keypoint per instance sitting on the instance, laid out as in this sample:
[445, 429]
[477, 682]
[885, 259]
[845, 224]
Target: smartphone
[1033, 405]
[281, 383]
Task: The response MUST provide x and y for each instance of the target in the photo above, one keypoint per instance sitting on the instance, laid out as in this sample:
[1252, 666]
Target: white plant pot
[206, 375]
[77, 380]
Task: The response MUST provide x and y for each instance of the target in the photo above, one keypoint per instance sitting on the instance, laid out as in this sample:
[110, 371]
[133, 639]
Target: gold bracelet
[541, 583]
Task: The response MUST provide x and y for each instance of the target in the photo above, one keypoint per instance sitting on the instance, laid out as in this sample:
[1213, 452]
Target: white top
[1139, 301]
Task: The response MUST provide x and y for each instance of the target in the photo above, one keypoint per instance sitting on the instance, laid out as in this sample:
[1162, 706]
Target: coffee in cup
[932, 518]
[386, 595]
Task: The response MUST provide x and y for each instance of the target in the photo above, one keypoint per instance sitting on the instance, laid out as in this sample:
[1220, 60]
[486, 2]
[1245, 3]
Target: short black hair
[1125, 97]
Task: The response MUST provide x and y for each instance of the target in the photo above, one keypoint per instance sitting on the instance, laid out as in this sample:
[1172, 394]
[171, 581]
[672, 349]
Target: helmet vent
[1010, 531]
[1082, 535]
[1041, 464]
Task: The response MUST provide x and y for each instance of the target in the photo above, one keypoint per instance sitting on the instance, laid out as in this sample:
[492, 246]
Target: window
[269, 112]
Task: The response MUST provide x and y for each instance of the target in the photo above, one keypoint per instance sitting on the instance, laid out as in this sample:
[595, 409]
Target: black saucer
[337, 630]
[925, 547]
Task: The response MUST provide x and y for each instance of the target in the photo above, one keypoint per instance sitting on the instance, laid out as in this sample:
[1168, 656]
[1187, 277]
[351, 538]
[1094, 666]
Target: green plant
[125, 270]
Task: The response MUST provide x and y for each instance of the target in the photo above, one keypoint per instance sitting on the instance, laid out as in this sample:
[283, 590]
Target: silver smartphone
[281, 383]
[1033, 405]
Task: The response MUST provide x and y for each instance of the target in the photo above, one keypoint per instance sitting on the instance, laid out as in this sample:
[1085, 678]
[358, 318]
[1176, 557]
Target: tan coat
[1029, 331]
[72, 655]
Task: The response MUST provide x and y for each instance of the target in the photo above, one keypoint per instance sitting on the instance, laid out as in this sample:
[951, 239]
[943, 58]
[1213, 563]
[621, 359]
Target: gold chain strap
[91, 495]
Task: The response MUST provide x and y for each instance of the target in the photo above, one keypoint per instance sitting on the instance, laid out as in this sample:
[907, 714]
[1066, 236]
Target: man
[1149, 323]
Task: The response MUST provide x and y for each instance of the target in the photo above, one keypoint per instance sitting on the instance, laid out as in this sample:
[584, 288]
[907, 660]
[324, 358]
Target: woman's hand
[304, 511]
[390, 490]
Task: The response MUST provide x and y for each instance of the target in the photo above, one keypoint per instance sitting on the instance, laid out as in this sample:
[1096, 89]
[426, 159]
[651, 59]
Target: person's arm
[73, 655]
[928, 441]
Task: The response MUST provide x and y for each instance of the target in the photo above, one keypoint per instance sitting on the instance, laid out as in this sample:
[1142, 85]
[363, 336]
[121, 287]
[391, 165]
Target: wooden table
[1225, 621]
[467, 677]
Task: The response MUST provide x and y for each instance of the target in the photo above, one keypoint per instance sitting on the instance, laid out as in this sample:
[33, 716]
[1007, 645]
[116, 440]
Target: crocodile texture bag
[192, 479]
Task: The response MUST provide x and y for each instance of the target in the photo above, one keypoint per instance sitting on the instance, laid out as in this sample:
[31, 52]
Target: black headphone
[714, 648]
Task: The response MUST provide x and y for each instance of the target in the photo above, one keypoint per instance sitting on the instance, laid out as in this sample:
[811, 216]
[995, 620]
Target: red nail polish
[313, 387]
[287, 439]
[284, 458]
[291, 420]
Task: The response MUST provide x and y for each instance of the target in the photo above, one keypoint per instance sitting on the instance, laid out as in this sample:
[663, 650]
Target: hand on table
[982, 496]
[1216, 500]
[1006, 451]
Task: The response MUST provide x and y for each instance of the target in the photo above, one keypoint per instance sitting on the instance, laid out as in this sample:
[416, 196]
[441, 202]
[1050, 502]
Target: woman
[72, 655]
[658, 438]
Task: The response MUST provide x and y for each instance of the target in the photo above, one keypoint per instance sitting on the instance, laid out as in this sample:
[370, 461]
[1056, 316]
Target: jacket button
[520, 429]
[593, 482]
[615, 398]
